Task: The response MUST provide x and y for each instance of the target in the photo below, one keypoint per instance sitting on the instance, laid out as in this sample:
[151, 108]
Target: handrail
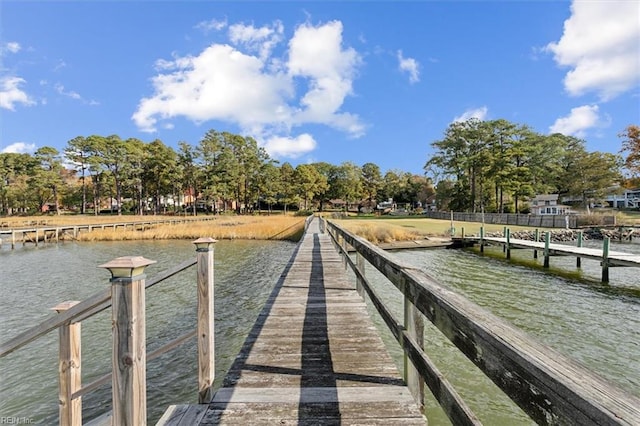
[126, 295]
[454, 406]
[88, 307]
[151, 356]
[550, 387]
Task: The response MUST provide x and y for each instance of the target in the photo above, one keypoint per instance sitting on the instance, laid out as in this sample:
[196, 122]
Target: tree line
[495, 165]
[492, 166]
[224, 171]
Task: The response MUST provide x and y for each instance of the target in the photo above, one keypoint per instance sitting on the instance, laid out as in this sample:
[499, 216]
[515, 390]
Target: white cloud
[74, 95]
[479, 113]
[221, 83]
[249, 85]
[213, 24]
[59, 65]
[601, 43]
[292, 147]
[578, 121]
[10, 47]
[71, 94]
[317, 54]
[19, 148]
[11, 94]
[410, 66]
[261, 40]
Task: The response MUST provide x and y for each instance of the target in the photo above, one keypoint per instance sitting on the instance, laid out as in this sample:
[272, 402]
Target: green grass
[431, 227]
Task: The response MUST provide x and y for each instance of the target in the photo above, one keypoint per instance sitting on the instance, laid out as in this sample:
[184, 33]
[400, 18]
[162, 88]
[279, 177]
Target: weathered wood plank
[314, 355]
[183, 414]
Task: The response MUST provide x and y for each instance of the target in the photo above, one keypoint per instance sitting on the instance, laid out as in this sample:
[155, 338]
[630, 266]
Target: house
[629, 199]
[547, 204]
[385, 207]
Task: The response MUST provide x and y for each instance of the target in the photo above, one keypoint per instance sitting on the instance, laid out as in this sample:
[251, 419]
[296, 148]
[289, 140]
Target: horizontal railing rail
[542, 221]
[550, 387]
[42, 231]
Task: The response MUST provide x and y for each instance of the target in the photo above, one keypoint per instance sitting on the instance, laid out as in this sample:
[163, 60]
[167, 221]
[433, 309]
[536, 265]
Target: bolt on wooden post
[69, 370]
[206, 326]
[129, 351]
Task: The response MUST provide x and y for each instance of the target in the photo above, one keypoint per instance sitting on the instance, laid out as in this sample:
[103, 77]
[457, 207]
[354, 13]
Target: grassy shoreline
[380, 230]
[276, 227]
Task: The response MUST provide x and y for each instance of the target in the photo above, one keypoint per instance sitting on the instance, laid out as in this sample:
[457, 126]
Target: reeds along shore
[277, 227]
[382, 232]
[225, 228]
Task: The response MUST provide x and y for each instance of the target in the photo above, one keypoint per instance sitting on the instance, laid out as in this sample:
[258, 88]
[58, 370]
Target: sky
[333, 81]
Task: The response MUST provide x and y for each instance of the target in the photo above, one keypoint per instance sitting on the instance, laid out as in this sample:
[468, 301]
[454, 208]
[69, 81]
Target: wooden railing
[550, 387]
[40, 230]
[126, 295]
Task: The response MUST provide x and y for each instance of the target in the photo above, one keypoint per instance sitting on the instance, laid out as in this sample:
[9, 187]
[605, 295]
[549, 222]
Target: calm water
[33, 280]
[597, 325]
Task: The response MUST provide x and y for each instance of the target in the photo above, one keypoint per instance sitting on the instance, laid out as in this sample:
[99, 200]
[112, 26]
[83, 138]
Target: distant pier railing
[126, 296]
[541, 221]
[41, 231]
[550, 387]
[542, 242]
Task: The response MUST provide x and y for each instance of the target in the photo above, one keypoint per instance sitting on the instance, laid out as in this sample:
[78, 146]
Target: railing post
[547, 241]
[69, 370]
[206, 327]
[605, 259]
[507, 246]
[504, 234]
[129, 353]
[578, 259]
[414, 324]
[345, 254]
[360, 266]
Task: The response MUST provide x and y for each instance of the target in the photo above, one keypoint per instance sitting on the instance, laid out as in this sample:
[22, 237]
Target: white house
[547, 204]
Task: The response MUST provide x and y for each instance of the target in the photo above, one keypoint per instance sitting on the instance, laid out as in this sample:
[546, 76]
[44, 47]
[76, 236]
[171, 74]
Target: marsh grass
[276, 227]
[223, 228]
[380, 232]
[412, 229]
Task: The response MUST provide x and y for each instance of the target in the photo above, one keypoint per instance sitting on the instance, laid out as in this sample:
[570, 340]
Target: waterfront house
[627, 199]
[547, 204]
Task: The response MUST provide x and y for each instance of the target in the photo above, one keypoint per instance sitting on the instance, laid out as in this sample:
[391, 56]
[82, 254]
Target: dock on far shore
[607, 258]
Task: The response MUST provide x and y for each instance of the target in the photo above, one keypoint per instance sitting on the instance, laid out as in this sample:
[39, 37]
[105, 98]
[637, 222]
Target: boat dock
[36, 232]
[313, 357]
[606, 257]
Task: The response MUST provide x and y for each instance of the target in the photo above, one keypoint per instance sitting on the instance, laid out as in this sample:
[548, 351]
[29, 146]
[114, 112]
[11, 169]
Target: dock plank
[313, 357]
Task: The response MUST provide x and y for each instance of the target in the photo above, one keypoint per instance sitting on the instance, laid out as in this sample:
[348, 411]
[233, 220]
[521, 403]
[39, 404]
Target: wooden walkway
[313, 357]
[614, 257]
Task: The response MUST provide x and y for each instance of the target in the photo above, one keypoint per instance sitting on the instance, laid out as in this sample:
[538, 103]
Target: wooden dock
[607, 258]
[41, 231]
[313, 357]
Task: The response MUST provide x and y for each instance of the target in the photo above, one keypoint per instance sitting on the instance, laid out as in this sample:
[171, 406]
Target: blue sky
[360, 81]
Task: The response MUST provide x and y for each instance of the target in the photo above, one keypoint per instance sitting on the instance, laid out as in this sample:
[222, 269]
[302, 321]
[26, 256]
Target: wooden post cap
[127, 266]
[61, 307]
[204, 243]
